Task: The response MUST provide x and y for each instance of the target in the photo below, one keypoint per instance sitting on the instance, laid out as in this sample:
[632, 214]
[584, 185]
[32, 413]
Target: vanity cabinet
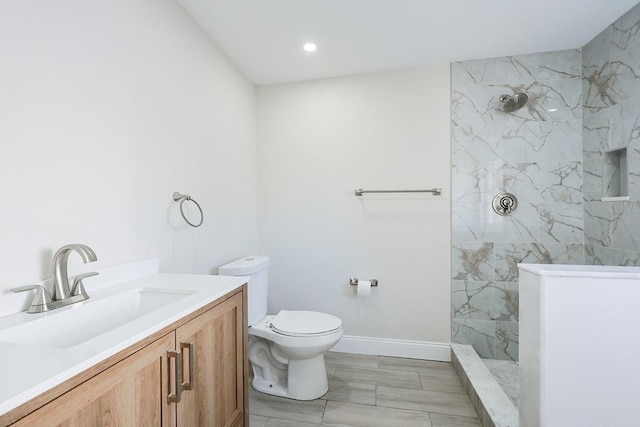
[216, 394]
[128, 393]
[192, 375]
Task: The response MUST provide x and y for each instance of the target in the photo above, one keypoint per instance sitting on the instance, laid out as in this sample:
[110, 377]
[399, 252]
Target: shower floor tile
[493, 406]
[507, 373]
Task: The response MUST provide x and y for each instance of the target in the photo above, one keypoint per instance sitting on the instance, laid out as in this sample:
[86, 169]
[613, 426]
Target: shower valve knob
[504, 204]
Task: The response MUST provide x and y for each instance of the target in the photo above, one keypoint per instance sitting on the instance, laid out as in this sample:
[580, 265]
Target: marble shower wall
[534, 153]
[611, 109]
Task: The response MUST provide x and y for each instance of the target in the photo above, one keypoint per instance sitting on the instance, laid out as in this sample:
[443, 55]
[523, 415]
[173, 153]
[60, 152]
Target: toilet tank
[256, 268]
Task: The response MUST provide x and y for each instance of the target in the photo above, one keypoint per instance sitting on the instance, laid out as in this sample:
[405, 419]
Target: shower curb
[493, 407]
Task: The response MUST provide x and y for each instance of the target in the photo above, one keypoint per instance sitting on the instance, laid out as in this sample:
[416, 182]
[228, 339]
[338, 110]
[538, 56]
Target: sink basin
[81, 322]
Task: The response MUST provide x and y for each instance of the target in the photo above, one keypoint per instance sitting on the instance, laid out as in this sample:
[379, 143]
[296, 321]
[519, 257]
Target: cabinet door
[217, 395]
[129, 393]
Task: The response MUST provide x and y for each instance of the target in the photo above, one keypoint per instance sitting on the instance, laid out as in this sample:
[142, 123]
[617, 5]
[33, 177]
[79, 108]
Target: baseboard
[392, 347]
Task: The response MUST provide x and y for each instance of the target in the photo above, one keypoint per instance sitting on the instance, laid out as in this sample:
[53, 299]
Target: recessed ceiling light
[310, 47]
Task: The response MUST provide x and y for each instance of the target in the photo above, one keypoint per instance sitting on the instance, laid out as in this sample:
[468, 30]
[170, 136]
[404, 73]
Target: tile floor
[373, 391]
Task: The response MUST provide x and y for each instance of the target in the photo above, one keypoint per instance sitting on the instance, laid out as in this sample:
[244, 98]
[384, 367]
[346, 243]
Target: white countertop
[581, 270]
[28, 370]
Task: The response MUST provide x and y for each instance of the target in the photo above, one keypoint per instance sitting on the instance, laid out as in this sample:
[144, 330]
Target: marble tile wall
[611, 108]
[558, 155]
[534, 153]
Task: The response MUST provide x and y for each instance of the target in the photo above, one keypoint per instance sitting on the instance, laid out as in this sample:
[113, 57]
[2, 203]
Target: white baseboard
[392, 347]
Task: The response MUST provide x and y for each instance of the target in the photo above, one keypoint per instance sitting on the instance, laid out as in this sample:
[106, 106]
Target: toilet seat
[304, 323]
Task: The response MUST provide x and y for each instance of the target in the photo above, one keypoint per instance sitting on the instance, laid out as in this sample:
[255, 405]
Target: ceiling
[264, 38]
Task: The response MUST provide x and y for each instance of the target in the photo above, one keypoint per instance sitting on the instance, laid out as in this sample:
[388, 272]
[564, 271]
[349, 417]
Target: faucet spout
[61, 288]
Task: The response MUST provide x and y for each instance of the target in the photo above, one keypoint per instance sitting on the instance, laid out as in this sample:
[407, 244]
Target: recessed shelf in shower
[615, 175]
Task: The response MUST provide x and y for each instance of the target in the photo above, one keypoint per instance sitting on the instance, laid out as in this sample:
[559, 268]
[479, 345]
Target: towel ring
[183, 198]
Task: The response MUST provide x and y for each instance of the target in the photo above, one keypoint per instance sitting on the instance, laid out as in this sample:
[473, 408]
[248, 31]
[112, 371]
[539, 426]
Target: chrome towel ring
[184, 197]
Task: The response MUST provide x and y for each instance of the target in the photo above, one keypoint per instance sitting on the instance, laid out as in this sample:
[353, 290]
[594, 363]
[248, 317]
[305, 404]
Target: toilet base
[306, 380]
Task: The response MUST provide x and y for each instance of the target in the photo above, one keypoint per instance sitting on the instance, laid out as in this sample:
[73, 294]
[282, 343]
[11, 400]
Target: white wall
[109, 107]
[320, 140]
[106, 109]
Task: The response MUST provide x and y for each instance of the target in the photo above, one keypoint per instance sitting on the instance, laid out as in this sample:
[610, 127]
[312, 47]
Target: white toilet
[285, 350]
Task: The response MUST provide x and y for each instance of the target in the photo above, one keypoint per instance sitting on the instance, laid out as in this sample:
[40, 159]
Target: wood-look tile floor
[373, 391]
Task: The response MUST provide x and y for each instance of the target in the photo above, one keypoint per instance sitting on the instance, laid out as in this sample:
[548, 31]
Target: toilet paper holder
[353, 281]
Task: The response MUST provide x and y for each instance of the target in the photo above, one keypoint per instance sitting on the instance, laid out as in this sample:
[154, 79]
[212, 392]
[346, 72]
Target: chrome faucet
[61, 288]
[62, 294]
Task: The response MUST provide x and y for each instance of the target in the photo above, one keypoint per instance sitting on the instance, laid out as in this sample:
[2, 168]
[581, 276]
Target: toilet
[286, 350]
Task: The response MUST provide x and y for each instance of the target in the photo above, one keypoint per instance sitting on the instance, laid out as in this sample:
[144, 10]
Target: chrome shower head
[513, 102]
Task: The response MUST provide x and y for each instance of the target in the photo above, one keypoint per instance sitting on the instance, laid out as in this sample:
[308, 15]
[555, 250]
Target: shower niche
[615, 175]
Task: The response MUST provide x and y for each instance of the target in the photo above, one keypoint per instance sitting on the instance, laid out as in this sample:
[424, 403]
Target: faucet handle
[41, 299]
[78, 287]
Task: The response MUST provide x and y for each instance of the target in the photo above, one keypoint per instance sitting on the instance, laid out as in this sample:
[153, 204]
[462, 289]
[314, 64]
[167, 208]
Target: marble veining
[508, 255]
[519, 69]
[610, 83]
[549, 181]
[473, 261]
[625, 223]
[597, 222]
[596, 129]
[561, 222]
[626, 30]
[625, 123]
[507, 340]
[613, 224]
[493, 406]
[600, 255]
[481, 334]
[507, 374]
[478, 222]
[485, 300]
[611, 106]
[552, 154]
[477, 104]
[592, 183]
[611, 64]
[534, 153]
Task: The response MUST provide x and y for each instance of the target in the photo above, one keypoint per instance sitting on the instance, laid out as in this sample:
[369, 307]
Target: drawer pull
[190, 347]
[177, 356]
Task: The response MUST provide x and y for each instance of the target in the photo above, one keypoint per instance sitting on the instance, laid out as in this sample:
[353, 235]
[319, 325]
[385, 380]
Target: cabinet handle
[190, 346]
[175, 397]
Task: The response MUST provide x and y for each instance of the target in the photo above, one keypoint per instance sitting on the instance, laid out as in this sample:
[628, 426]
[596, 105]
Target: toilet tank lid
[245, 266]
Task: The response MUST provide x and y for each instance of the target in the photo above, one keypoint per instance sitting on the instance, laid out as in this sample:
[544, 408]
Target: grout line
[376, 391]
[375, 396]
[430, 420]
[324, 410]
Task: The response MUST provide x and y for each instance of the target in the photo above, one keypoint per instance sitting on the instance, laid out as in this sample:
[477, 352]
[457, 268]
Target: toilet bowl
[286, 350]
[291, 363]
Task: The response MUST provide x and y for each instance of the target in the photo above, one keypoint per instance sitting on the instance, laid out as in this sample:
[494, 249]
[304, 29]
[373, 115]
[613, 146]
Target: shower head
[513, 102]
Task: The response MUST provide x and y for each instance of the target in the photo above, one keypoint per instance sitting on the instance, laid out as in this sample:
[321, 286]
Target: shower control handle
[504, 203]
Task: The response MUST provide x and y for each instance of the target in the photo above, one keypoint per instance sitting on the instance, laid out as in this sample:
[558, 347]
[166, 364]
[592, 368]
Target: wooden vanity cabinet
[216, 397]
[134, 391]
[128, 393]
